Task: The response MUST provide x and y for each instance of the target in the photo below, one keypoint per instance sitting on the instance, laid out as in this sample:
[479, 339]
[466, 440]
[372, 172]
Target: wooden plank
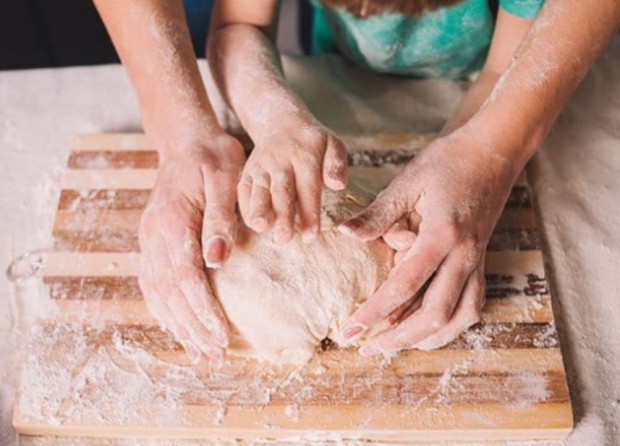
[440, 383]
[126, 287]
[82, 179]
[111, 141]
[516, 263]
[71, 199]
[132, 310]
[103, 367]
[549, 419]
[91, 264]
[113, 159]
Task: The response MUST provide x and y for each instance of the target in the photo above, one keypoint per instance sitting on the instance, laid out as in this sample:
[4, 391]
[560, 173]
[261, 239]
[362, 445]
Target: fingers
[378, 217]
[195, 288]
[260, 203]
[266, 201]
[186, 318]
[244, 192]
[404, 281]
[255, 200]
[308, 189]
[335, 164]
[283, 199]
[401, 313]
[176, 287]
[437, 310]
[219, 222]
[467, 313]
[185, 269]
[159, 309]
[399, 236]
[286, 176]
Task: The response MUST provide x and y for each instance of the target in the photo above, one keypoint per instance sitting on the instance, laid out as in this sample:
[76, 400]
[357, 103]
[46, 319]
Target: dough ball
[283, 300]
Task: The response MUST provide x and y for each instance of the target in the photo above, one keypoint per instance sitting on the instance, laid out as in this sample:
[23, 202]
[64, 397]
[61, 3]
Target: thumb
[219, 226]
[377, 218]
[335, 164]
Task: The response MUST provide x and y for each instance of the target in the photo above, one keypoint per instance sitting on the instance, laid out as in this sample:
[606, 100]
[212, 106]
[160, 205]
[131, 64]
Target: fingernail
[393, 318]
[215, 252]
[352, 331]
[337, 183]
[259, 223]
[309, 235]
[355, 223]
[350, 227]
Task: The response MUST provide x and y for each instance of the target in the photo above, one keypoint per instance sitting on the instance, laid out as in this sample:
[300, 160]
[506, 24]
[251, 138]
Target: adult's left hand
[438, 214]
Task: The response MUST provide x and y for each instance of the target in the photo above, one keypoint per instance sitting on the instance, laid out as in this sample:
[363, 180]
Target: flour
[574, 178]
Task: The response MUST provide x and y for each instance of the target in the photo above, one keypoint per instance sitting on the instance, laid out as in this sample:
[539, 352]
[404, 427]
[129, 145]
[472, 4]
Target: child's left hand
[451, 196]
[285, 174]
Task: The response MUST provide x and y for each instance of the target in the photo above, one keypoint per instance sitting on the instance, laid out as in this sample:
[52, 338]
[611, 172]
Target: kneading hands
[438, 213]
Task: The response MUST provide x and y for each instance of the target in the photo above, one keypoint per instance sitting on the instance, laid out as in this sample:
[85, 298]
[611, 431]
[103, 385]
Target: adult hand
[190, 222]
[439, 213]
[285, 173]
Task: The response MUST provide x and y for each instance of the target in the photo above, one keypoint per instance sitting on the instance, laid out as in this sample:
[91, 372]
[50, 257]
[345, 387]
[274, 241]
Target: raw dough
[283, 300]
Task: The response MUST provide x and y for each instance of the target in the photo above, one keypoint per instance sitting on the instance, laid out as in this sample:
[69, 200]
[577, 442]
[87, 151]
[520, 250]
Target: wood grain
[100, 366]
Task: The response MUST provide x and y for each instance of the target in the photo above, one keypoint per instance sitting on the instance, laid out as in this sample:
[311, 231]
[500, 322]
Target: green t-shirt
[450, 42]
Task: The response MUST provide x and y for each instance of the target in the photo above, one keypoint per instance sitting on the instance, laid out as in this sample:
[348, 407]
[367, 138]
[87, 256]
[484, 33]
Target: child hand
[285, 174]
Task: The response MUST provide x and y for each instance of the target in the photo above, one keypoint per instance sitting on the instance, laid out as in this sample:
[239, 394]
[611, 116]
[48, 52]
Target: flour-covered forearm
[294, 155]
[153, 42]
[555, 55]
[248, 71]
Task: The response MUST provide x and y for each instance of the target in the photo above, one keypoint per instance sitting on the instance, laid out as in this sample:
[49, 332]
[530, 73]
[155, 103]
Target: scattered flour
[574, 177]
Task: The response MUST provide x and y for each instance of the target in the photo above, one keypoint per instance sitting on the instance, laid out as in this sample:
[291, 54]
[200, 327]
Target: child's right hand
[285, 174]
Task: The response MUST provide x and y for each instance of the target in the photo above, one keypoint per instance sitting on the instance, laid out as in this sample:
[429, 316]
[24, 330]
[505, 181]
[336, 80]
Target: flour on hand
[283, 300]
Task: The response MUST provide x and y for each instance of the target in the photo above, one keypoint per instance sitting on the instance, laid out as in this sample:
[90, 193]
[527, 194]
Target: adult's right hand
[189, 223]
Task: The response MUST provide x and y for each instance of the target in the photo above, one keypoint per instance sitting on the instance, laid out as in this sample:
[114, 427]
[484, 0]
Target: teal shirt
[450, 42]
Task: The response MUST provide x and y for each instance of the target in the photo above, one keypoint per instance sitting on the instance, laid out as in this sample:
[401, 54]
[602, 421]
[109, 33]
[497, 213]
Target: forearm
[247, 69]
[554, 57]
[477, 93]
[153, 42]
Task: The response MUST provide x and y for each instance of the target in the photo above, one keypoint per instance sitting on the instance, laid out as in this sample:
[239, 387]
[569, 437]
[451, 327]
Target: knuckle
[438, 317]
[470, 243]
[307, 163]
[281, 179]
[246, 179]
[210, 164]
[450, 232]
[312, 136]
[471, 252]
[217, 214]
[260, 179]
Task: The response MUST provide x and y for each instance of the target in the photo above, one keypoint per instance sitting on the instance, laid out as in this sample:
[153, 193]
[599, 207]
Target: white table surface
[572, 175]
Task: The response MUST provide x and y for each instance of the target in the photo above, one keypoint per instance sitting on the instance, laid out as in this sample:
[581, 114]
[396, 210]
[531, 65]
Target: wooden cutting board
[100, 366]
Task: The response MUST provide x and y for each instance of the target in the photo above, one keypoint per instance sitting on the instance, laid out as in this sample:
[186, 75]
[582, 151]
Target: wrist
[504, 139]
[300, 126]
[211, 143]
